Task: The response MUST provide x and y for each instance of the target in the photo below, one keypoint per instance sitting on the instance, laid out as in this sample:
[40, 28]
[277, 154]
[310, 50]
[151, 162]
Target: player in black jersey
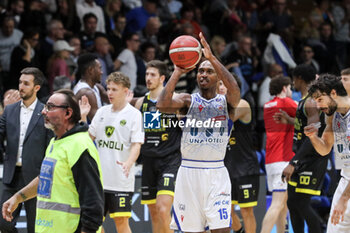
[242, 165]
[160, 152]
[306, 170]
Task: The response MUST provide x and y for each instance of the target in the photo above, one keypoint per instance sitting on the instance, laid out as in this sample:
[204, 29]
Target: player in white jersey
[331, 97]
[203, 189]
[117, 131]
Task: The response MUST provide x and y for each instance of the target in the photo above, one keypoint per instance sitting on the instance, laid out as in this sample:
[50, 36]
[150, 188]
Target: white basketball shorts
[202, 199]
[274, 177]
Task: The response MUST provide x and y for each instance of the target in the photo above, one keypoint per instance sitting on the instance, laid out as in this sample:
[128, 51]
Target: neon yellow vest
[58, 208]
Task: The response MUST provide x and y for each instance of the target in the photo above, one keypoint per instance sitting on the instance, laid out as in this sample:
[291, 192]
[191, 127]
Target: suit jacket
[34, 145]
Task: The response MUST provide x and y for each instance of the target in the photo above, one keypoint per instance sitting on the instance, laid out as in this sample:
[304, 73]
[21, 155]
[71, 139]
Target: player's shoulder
[132, 110]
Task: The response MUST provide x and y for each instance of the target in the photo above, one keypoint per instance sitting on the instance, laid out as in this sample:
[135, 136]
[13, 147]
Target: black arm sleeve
[89, 186]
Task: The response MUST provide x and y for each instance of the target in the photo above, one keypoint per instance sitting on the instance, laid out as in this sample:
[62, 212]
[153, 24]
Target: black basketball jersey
[165, 140]
[240, 158]
[299, 136]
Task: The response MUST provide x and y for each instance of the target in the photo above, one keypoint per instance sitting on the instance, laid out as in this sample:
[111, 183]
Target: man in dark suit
[22, 125]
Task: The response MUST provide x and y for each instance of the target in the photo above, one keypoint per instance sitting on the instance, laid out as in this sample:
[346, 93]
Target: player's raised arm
[233, 92]
[168, 102]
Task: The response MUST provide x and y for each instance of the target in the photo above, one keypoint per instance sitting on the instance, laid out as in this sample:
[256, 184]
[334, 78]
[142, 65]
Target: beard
[332, 108]
[49, 126]
[26, 96]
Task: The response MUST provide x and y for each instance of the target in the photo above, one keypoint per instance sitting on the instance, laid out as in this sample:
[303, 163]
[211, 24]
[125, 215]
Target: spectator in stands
[88, 35]
[73, 58]
[169, 10]
[16, 10]
[33, 16]
[55, 32]
[148, 53]
[187, 16]
[233, 15]
[101, 49]
[245, 58]
[66, 12]
[126, 61]
[307, 57]
[150, 32]
[325, 52]
[341, 14]
[136, 18]
[24, 55]
[112, 7]
[116, 35]
[278, 19]
[218, 45]
[89, 6]
[310, 29]
[10, 37]
[323, 10]
[279, 151]
[57, 65]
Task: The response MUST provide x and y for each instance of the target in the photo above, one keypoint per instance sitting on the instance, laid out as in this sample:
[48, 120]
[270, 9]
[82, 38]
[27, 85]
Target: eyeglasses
[307, 51]
[50, 107]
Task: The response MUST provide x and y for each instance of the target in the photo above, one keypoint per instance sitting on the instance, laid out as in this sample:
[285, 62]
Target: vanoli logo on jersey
[153, 120]
[109, 131]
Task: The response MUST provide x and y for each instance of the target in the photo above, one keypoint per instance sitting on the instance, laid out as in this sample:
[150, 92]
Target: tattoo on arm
[24, 197]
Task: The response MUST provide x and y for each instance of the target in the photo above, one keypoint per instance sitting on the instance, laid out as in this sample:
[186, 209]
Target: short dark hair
[39, 77]
[325, 84]
[146, 45]
[84, 62]
[345, 71]
[88, 16]
[72, 103]
[161, 66]
[128, 36]
[118, 15]
[305, 72]
[277, 84]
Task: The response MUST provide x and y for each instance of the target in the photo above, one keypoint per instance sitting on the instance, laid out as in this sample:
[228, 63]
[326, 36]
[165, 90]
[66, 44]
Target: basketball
[185, 51]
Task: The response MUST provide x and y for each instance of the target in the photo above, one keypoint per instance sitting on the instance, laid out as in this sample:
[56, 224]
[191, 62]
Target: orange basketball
[185, 51]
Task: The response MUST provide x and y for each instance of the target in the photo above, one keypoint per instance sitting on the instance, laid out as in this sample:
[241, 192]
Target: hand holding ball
[185, 51]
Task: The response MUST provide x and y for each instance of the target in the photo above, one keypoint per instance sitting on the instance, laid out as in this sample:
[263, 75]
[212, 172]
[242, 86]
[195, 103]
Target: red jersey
[279, 137]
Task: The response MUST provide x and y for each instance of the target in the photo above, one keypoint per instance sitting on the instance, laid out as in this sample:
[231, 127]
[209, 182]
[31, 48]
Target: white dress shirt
[25, 116]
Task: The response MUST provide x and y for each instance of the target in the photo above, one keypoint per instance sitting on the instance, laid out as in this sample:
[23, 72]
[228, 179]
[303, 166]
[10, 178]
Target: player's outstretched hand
[182, 70]
[287, 173]
[8, 207]
[206, 48]
[85, 107]
[126, 167]
[338, 211]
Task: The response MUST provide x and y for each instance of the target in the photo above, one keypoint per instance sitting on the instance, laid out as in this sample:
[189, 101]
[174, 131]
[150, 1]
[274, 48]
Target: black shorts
[118, 204]
[310, 180]
[158, 176]
[245, 191]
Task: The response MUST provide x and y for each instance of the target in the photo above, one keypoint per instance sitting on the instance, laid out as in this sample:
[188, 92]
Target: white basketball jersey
[81, 85]
[341, 127]
[207, 130]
